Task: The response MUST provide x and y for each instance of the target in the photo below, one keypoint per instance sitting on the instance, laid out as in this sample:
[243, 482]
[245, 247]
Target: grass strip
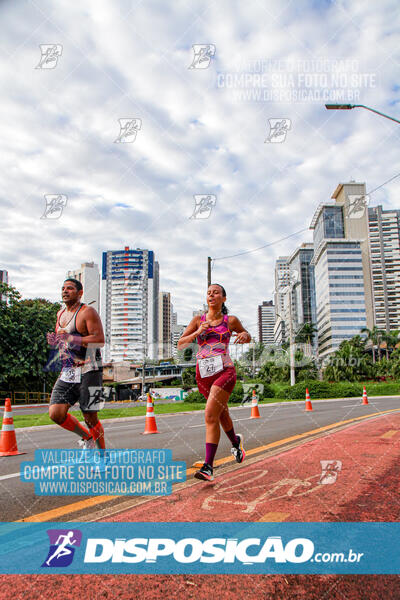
[37, 419]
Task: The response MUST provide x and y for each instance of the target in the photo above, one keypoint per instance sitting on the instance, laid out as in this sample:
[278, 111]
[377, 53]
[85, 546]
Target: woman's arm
[243, 336]
[190, 334]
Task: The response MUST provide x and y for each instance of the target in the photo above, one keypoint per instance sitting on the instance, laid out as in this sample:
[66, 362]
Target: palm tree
[375, 336]
[305, 335]
[370, 338]
[391, 339]
[350, 362]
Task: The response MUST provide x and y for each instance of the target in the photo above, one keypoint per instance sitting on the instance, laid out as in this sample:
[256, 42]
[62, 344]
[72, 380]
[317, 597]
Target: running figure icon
[62, 546]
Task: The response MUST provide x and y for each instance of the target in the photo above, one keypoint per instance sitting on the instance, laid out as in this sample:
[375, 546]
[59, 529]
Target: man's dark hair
[77, 283]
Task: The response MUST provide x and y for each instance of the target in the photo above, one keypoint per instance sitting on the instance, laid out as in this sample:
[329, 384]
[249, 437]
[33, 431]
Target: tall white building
[89, 276]
[129, 304]
[3, 279]
[384, 237]
[164, 325]
[177, 331]
[266, 322]
[282, 280]
[342, 269]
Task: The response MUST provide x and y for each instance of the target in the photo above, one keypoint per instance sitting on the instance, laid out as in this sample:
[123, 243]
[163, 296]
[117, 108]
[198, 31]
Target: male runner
[78, 337]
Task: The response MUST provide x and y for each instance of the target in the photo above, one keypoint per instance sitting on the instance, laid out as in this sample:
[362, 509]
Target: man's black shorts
[88, 391]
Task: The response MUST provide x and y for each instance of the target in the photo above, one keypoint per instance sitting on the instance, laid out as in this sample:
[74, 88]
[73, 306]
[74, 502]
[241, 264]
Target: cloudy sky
[202, 128]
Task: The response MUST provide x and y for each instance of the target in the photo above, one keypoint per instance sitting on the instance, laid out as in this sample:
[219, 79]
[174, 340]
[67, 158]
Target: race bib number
[71, 374]
[210, 366]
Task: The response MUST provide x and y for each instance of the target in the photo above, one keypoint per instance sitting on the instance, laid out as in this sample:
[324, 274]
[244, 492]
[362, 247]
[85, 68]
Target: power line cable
[292, 234]
[382, 184]
[261, 247]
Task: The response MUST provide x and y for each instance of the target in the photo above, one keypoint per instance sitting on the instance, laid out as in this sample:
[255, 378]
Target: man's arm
[51, 335]
[94, 328]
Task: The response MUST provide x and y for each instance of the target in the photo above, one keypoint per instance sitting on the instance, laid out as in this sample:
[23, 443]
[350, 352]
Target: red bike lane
[294, 485]
[348, 475]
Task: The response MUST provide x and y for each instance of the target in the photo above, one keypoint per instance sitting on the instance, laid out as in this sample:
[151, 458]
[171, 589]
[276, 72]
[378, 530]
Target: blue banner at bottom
[209, 548]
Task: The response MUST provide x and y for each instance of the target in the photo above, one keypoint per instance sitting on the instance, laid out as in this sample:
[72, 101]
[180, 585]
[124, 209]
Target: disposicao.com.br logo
[191, 550]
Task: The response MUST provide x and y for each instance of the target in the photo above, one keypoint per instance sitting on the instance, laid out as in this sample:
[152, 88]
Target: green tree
[391, 339]
[395, 363]
[375, 336]
[350, 362]
[258, 350]
[276, 369]
[305, 334]
[240, 370]
[23, 345]
[382, 368]
[189, 377]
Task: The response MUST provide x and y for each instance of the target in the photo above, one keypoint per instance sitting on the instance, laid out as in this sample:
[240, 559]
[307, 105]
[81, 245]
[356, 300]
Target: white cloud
[58, 129]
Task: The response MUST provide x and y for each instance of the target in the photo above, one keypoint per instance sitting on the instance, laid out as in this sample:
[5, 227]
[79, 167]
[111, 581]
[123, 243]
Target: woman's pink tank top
[214, 341]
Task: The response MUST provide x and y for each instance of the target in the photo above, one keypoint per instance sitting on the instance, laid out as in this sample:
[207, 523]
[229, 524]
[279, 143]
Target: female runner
[215, 372]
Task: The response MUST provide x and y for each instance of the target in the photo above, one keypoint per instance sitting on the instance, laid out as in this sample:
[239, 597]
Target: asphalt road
[32, 409]
[183, 433]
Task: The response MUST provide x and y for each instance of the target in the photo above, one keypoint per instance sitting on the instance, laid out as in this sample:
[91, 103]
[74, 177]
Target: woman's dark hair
[224, 309]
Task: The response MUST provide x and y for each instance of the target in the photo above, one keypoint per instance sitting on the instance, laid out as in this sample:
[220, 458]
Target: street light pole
[254, 358]
[144, 365]
[291, 339]
[208, 271]
[350, 106]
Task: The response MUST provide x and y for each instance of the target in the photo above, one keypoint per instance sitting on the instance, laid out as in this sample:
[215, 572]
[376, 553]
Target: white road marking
[233, 420]
[9, 476]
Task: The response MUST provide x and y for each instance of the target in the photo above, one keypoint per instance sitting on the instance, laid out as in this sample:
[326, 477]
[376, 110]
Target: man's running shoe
[239, 452]
[87, 444]
[205, 473]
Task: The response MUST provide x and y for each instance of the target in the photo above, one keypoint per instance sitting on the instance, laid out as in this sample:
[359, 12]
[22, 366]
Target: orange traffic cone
[308, 401]
[8, 440]
[365, 397]
[255, 413]
[150, 426]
